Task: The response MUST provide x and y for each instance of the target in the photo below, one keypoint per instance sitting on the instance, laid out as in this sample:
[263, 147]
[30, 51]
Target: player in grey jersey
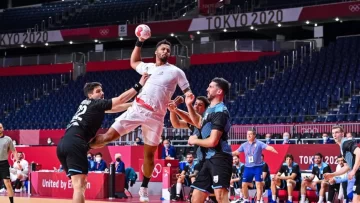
[6, 145]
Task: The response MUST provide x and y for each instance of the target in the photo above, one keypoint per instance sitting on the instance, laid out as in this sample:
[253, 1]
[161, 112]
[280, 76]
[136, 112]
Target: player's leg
[9, 188]
[76, 165]
[221, 172]
[274, 185]
[323, 189]
[290, 188]
[202, 184]
[122, 125]
[258, 182]
[248, 177]
[356, 188]
[304, 185]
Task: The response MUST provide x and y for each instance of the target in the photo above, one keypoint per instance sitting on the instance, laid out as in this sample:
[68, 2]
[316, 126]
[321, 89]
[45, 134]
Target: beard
[163, 59]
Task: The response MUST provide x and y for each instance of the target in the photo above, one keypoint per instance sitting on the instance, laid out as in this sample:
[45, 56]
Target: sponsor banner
[238, 20]
[123, 30]
[55, 184]
[207, 7]
[245, 19]
[28, 38]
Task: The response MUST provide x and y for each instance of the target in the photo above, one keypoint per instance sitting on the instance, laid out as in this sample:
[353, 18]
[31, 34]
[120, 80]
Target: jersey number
[81, 110]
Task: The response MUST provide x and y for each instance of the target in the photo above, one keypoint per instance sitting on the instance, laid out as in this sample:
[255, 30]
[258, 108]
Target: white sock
[302, 198]
[344, 201]
[328, 201]
[246, 200]
[321, 199]
[290, 198]
[273, 197]
[178, 188]
[241, 194]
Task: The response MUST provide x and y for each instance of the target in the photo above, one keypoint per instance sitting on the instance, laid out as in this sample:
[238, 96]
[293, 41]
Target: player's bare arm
[209, 142]
[135, 58]
[195, 117]
[126, 96]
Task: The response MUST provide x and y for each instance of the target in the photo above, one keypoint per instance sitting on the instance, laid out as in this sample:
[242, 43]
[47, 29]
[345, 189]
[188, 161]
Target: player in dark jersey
[73, 146]
[216, 171]
[351, 153]
[290, 181]
[236, 179]
[319, 169]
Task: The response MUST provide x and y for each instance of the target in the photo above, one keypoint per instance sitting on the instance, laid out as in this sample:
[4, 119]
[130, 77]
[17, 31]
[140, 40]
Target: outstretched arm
[135, 58]
[126, 96]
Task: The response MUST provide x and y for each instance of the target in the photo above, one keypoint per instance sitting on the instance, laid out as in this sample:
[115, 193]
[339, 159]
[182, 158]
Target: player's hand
[276, 177]
[144, 78]
[172, 106]
[192, 140]
[189, 99]
[351, 174]
[178, 100]
[332, 181]
[328, 176]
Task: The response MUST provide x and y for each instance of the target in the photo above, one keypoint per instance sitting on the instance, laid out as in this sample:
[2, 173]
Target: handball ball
[143, 31]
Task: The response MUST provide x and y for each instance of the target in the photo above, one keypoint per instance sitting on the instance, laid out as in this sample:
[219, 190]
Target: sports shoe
[177, 198]
[143, 194]
[18, 190]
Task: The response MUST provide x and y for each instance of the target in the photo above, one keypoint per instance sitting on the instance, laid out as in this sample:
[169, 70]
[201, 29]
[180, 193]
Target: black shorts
[187, 181]
[283, 185]
[214, 174]
[356, 188]
[72, 153]
[4, 170]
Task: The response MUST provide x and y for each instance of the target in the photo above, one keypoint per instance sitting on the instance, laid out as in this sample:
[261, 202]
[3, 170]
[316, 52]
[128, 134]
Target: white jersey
[161, 85]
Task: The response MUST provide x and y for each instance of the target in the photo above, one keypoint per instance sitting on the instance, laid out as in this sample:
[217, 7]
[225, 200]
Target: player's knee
[324, 184]
[220, 195]
[289, 183]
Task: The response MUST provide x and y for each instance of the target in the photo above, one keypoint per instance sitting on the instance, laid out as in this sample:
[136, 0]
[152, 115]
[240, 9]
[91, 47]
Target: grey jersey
[6, 145]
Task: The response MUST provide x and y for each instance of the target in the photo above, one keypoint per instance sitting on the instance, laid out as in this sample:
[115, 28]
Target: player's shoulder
[221, 108]
[7, 138]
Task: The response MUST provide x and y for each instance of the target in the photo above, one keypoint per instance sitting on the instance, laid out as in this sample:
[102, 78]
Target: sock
[145, 182]
[258, 201]
[178, 189]
[321, 199]
[241, 194]
[290, 198]
[246, 200]
[303, 198]
[11, 199]
[328, 201]
[273, 197]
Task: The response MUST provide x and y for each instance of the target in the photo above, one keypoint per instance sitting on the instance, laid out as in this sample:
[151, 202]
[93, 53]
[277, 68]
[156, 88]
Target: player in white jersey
[149, 107]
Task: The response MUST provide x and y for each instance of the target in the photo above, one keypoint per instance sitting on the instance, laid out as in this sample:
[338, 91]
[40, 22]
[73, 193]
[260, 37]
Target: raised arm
[135, 58]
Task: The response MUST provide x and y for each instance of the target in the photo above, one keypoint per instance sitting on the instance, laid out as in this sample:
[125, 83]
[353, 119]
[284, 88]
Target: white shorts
[14, 174]
[151, 124]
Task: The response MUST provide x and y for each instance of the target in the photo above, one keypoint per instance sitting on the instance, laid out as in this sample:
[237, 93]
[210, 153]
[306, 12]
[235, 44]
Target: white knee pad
[289, 184]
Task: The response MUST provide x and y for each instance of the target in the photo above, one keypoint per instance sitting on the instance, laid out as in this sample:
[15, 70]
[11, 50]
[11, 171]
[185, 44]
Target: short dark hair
[89, 87]
[223, 84]
[99, 153]
[319, 155]
[262, 155]
[164, 41]
[252, 130]
[338, 126]
[20, 152]
[204, 99]
[290, 156]
[190, 154]
[340, 156]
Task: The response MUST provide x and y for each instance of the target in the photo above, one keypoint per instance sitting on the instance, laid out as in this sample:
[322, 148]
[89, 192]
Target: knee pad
[289, 184]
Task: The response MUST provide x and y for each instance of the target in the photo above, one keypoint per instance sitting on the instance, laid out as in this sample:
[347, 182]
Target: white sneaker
[143, 194]
[3, 190]
[17, 190]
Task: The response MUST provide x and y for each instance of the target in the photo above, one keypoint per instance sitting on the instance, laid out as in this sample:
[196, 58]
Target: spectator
[119, 164]
[326, 139]
[138, 142]
[286, 138]
[19, 172]
[268, 139]
[100, 164]
[50, 142]
[349, 136]
[91, 162]
[168, 152]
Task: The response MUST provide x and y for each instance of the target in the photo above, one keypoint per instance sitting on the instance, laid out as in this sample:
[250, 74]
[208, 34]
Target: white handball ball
[143, 31]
